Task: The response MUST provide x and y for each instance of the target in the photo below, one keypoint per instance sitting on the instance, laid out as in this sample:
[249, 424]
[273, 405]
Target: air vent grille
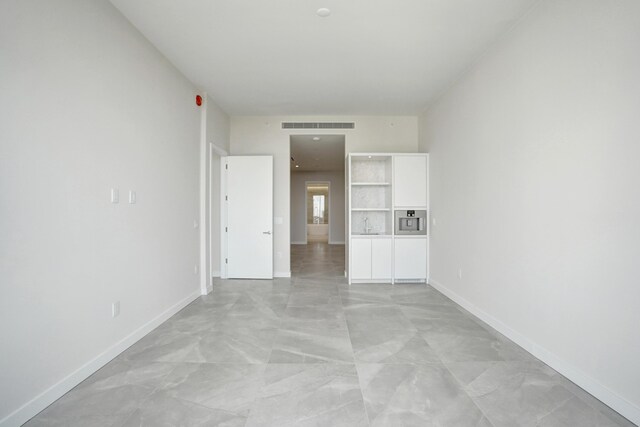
[317, 125]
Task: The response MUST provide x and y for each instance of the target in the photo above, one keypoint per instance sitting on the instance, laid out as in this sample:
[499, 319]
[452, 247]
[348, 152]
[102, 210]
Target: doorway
[318, 200]
[318, 207]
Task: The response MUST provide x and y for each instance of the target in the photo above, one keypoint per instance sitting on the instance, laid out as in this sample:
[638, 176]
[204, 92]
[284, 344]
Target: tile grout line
[355, 365]
[464, 390]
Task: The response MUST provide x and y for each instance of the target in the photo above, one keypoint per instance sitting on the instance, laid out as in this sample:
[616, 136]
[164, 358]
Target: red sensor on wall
[198, 100]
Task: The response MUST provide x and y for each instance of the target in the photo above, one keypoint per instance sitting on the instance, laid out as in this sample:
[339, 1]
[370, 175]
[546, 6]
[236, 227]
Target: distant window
[318, 209]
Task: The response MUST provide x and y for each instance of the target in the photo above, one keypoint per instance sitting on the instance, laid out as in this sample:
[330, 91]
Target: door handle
[266, 232]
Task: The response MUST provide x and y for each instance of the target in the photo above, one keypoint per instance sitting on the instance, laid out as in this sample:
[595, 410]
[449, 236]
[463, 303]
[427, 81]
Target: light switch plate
[132, 197]
[115, 195]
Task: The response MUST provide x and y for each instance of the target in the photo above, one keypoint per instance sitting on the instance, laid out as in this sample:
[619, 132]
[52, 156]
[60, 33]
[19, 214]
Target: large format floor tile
[228, 387]
[106, 398]
[391, 346]
[309, 395]
[310, 344]
[314, 351]
[480, 347]
[375, 317]
[162, 410]
[525, 393]
[420, 395]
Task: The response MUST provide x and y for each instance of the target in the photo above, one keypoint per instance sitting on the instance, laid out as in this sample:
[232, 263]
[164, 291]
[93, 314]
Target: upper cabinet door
[410, 181]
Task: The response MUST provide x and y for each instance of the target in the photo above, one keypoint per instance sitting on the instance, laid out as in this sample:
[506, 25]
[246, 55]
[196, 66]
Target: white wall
[87, 104]
[218, 126]
[336, 202]
[534, 185]
[264, 135]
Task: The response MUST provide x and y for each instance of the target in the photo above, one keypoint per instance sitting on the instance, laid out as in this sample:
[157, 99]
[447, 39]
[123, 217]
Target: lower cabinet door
[360, 259]
[381, 256]
[410, 259]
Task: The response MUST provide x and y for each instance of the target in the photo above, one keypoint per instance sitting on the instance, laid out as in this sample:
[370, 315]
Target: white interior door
[249, 217]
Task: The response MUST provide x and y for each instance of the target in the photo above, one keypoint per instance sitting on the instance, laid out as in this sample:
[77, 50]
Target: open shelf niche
[370, 182]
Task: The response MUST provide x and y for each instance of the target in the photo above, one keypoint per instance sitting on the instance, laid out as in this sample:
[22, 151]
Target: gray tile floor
[312, 351]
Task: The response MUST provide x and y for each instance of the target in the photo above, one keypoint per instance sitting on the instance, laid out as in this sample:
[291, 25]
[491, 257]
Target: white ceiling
[270, 57]
[327, 154]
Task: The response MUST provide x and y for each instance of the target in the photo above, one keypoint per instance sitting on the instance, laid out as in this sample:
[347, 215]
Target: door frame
[204, 221]
[214, 151]
[223, 218]
[306, 208]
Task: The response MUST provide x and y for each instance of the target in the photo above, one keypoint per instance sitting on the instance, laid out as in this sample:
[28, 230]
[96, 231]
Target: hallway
[312, 351]
[317, 260]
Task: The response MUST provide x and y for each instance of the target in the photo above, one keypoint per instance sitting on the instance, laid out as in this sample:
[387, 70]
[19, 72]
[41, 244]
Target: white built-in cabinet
[378, 184]
[372, 258]
[410, 181]
[406, 251]
[360, 259]
[381, 255]
[370, 199]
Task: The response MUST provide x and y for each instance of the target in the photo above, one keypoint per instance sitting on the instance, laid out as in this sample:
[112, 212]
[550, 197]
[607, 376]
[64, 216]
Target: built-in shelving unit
[379, 184]
[370, 194]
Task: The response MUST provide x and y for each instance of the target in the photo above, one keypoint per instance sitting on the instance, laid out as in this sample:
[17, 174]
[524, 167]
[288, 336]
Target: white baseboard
[330, 242]
[53, 393]
[281, 274]
[372, 281]
[591, 385]
[214, 274]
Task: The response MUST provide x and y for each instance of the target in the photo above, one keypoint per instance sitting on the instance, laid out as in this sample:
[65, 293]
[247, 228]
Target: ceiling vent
[317, 125]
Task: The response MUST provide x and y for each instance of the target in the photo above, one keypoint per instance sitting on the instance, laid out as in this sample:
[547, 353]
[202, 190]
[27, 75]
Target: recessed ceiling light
[316, 138]
[297, 166]
[323, 12]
